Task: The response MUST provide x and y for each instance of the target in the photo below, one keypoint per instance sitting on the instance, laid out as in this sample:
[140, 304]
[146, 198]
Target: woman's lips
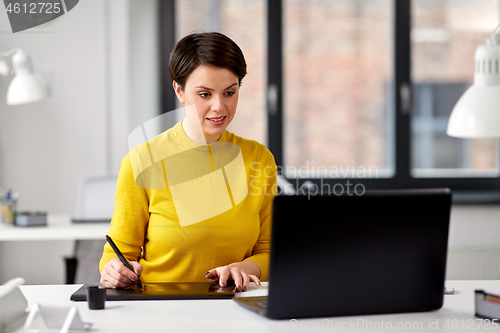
[217, 123]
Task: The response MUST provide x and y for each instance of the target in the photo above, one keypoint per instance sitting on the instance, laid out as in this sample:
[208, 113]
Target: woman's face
[214, 91]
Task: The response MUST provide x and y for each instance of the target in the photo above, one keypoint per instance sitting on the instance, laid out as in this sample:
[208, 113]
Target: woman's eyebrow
[206, 88]
[203, 87]
[231, 86]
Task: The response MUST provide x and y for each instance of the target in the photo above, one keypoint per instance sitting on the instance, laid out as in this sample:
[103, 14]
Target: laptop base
[256, 304]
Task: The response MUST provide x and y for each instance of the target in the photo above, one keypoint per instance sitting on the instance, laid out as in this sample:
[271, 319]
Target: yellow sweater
[183, 208]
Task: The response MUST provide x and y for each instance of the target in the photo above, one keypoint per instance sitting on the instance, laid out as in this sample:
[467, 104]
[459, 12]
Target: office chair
[95, 203]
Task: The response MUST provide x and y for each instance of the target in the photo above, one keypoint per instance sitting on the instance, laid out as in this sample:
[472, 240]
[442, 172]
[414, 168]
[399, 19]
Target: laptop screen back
[382, 252]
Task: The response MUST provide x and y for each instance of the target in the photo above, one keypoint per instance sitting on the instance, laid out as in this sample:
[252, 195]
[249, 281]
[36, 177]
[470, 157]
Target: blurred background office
[357, 91]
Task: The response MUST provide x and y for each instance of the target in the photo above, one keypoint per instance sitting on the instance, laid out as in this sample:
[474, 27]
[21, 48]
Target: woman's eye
[204, 94]
[230, 93]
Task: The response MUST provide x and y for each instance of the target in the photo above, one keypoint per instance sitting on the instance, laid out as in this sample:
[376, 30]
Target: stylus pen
[122, 259]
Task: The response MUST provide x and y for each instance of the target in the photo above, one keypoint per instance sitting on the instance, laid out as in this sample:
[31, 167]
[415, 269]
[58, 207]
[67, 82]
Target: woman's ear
[178, 91]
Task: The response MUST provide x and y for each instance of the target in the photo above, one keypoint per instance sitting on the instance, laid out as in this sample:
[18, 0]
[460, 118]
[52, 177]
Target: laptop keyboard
[262, 304]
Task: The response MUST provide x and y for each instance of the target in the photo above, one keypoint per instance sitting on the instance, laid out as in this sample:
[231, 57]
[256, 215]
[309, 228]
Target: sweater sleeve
[130, 217]
[262, 248]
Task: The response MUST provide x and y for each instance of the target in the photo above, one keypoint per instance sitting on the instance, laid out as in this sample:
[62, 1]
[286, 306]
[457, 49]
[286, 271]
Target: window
[343, 86]
[337, 117]
[444, 37]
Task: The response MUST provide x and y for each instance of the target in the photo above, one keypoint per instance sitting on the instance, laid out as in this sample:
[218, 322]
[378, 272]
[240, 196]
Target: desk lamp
[477, 112]
[26, 86]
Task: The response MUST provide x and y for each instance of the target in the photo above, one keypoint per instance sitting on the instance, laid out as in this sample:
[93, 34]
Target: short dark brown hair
[208, 48]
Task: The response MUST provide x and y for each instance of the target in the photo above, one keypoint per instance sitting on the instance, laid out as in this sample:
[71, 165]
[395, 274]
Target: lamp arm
[8, 53]
[493, 39]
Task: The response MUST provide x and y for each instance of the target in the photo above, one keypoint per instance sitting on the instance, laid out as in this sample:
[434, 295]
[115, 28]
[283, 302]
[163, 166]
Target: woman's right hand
[116, 275]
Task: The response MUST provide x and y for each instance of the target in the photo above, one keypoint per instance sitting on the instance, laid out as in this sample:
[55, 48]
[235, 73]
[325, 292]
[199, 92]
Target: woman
[212, 218]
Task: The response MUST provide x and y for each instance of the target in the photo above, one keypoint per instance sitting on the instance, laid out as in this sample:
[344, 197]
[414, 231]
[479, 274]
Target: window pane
[337, 72]
[245, 23]
[444, 37]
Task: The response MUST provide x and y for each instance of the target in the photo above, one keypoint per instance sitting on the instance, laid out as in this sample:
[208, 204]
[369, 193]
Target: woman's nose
[218, 104]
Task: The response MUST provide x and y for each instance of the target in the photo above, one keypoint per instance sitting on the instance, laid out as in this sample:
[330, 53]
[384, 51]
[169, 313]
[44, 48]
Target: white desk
[59, 227]
[227, 316]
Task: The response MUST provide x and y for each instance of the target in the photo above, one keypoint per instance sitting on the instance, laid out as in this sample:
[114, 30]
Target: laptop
[380, 252]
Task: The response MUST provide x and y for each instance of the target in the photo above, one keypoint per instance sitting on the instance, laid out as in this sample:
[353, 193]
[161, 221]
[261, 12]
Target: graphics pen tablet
[163, 291]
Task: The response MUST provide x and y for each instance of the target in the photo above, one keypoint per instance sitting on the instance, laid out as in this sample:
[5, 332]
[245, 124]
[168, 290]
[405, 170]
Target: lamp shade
[477, 112]
[26, 86]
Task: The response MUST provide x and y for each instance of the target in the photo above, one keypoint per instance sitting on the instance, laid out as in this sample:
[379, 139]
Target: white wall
[47, 147]
[103, 79]
[474, 243]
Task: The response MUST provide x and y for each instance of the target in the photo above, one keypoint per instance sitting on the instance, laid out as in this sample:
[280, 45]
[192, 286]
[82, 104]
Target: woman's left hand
[240, 272]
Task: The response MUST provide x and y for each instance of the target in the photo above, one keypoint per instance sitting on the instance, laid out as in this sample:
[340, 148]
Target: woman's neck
[196, 134]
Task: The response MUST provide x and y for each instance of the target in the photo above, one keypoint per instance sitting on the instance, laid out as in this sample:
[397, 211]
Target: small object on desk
[8, 206]
[449, 290]
[13, 304]
[487, 305]
[6, 215]
[123, 260]
[54, 318]
[96, 297]
[31, 218]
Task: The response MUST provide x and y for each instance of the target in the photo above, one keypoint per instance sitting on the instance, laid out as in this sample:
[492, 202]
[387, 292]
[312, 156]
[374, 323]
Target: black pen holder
[96, 297]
